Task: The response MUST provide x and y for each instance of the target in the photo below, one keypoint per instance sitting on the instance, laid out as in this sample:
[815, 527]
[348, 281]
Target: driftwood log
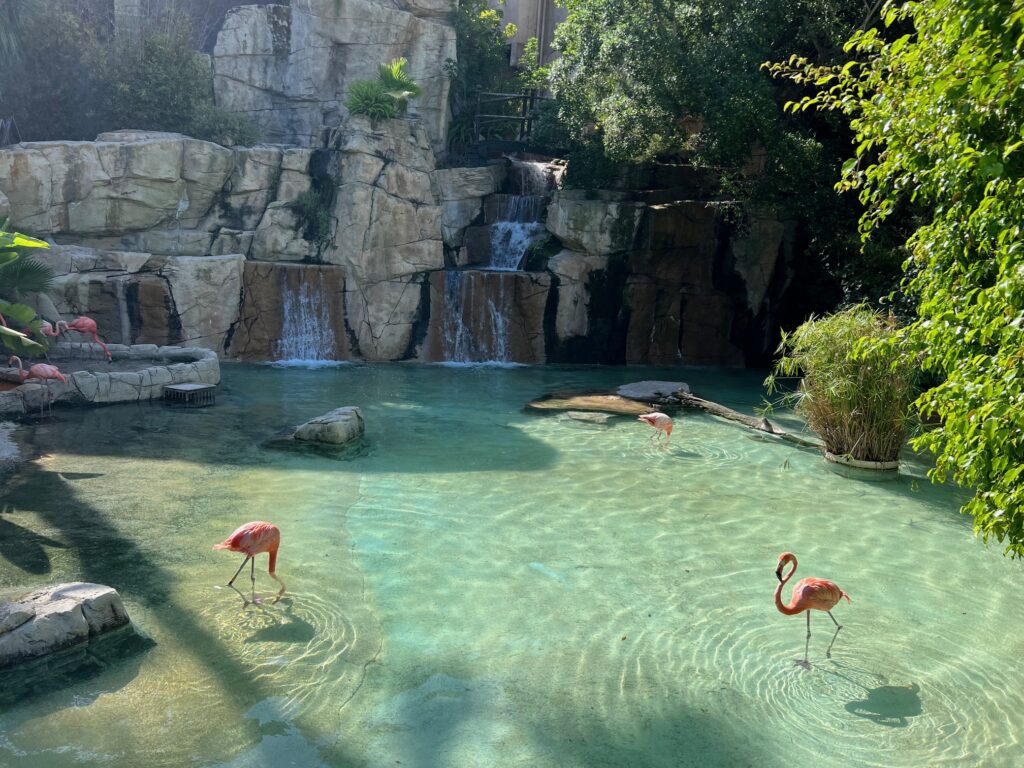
[687, 400]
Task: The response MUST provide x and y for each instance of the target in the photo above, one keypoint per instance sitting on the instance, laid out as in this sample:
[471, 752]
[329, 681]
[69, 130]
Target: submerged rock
[661, 392]
[341, 425]
[54, 618]
[588, 401]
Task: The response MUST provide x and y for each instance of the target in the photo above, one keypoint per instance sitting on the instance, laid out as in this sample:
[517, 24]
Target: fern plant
[394, 79]
[368, 97]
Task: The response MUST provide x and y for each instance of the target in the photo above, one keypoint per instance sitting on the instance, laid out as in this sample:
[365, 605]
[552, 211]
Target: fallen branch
[762, 424]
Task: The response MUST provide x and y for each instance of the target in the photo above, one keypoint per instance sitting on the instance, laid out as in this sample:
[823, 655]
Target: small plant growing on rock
[857, 383]
[368, 97]
[387, 96]
[395, 80]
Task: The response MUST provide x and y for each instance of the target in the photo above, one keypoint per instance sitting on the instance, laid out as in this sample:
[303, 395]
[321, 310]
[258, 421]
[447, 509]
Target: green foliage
[387, 96]
[370, 98]
[395, 80]
[482, 45]
[24, 275]
[313, 210]
[75, 81]
[18, 342]
[939, 123]
[857, 386]
[632, 69]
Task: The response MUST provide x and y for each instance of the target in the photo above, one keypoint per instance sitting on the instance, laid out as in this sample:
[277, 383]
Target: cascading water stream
[307, 337]
[479, 305]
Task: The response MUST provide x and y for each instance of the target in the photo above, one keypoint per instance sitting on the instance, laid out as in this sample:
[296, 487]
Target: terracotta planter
[863, 470]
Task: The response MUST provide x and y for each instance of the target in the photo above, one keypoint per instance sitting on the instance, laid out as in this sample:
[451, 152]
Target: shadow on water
[454, 716]
[890, 705]
[105, 556]
[287, 628]
[23, 548]
[118, 655]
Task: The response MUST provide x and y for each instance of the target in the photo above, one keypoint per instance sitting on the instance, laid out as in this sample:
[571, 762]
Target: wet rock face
[54, 618]
[289, 67]
[164, 239]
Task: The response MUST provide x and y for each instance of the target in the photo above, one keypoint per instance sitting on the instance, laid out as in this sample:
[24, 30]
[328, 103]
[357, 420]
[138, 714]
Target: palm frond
[396, 80]
[26, 275]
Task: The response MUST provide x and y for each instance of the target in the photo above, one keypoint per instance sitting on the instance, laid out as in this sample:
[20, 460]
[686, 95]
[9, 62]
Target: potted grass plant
[856, 388]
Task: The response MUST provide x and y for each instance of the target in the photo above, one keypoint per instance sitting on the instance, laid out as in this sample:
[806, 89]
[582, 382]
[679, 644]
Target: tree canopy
[934, 99]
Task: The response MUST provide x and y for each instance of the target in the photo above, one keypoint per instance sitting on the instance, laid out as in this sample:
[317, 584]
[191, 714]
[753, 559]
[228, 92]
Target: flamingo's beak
[778, 574]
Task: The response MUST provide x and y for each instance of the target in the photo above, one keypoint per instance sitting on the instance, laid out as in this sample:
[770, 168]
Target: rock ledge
[54, 618]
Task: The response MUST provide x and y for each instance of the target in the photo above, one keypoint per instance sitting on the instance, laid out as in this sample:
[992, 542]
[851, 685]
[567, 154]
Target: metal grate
[192, 395]
[9, 133]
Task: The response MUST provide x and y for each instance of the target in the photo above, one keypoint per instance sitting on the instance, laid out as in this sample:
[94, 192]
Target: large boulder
[342, 425]
[387, 232]
[289, 67]
[600, 224]
[461, 193]
[54, 618]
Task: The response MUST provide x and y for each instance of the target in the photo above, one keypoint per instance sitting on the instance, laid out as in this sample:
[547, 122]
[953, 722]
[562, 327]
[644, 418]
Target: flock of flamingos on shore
[45, 372]
[808, 594]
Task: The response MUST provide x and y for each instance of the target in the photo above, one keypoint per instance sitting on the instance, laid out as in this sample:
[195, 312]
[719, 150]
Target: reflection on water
[477, 585]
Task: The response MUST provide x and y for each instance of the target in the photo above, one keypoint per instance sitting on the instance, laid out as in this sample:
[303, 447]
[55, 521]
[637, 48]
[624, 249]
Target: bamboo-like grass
[857, 385]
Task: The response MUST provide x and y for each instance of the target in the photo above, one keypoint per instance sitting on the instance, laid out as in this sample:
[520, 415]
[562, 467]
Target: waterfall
[307, 337]
[482, 303]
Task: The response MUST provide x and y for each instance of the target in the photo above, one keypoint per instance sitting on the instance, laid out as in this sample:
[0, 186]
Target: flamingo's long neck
[789, 610]
[21, 369]
[273, 561]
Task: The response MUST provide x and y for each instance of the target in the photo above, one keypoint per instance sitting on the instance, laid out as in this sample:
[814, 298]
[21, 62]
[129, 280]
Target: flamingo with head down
[87, 326]
[42, 371]
[661, 422]
[251, 539]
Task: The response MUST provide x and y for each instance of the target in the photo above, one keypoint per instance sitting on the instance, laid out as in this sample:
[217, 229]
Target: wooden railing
[518, 113]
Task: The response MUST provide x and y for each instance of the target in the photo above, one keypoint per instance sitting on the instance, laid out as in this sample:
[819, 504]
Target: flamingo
[47, 329]
[251, 539]
[660, 422]
[87, 326]
[42, 371]
[808, 594]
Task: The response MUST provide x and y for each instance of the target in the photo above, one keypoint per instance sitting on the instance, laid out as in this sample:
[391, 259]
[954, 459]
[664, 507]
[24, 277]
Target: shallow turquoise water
[486, 587]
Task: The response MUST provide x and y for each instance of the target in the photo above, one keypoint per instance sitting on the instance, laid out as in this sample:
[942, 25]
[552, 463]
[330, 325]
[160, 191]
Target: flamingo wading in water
[87, 326]
[808, 594]
[251, 539]
[42, 371]
[661, 423]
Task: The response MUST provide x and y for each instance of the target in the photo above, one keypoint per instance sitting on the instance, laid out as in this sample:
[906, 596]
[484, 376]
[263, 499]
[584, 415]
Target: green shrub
[857, 385]
[313, 211]
[394, 79]
[74, 81]
[368, 97]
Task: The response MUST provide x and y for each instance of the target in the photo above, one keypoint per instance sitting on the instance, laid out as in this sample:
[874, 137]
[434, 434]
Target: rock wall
[164, 239]
[289, 67]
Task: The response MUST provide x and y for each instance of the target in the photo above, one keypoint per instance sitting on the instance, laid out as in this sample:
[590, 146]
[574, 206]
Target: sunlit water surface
[485, 587]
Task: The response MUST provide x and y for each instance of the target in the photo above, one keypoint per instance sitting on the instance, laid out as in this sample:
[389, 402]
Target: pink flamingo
[47, 329]
[42, 371]
[87, 326]
[251, 539]
[660, 422]
[808, 594]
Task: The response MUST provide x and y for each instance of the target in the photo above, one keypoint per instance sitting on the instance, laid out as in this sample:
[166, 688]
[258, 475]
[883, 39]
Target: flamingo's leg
[828, 653]
[252, 577]
[275, 578]
[805, 662]
[247, 559]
